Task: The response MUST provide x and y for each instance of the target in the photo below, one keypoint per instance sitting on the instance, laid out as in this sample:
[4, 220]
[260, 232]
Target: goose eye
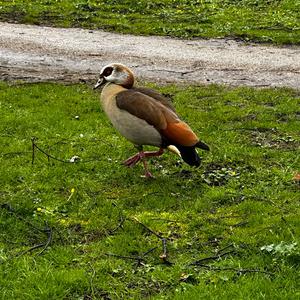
[107, 71]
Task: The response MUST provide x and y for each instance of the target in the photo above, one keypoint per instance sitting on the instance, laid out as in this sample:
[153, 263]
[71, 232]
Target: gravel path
[35, 53]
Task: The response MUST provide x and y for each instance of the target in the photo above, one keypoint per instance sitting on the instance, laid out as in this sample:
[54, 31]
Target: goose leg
[149, 154]
[141, 155]
[148, 174]
[133, 160]
[154, 153]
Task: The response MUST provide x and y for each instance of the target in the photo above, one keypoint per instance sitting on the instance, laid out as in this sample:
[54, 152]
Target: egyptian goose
[145, 117]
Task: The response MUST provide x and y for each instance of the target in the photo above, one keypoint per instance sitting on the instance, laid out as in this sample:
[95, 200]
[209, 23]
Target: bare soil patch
[34, 53]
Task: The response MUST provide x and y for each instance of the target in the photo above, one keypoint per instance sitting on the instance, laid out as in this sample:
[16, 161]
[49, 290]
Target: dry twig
[140, 259]
[47, 230]
[36, 147]
[217, 256]
[164, 254]
[120, 225]
[238, 270]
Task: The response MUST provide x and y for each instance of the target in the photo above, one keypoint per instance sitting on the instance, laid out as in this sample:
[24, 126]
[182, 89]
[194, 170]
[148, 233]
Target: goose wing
[164, 119]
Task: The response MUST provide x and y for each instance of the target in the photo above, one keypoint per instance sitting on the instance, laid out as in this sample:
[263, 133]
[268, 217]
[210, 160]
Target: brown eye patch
[107, 71]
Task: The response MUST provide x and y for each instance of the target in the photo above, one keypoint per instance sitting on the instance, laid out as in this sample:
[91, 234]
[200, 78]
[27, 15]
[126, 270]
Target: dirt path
[34, 53]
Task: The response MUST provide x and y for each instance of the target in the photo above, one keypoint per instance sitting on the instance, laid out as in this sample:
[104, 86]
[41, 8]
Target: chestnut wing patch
[179, 133]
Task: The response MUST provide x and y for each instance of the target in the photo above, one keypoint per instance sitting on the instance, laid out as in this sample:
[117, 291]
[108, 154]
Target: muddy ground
[34, 53]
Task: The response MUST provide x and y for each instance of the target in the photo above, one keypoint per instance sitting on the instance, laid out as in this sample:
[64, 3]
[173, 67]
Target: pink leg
[133, 160]
[148, 174]
[154, 153]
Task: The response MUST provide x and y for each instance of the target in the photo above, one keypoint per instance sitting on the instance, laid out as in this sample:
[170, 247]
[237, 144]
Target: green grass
[242, 198]
[272, 21]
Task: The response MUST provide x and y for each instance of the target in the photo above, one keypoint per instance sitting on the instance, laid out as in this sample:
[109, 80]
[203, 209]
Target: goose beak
[100, 82]
[174, 150]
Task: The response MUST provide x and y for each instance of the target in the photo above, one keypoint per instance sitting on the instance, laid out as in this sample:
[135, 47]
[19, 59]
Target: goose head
[117, 74]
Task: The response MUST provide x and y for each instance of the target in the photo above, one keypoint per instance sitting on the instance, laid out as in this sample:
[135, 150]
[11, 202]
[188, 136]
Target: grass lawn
[97, 230]
[272, 21]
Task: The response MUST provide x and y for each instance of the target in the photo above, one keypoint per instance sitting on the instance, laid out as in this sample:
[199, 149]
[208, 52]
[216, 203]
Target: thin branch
[139, 259]
[165, 220]
[214, 257]
[225, 248]
[49, 232]
[35, 146]
[232, 217]
[30, 249]
[238, 270]
[146, 227]
[242, 223]
[136, 258]
[33, 150]
[15, 153]
[217, 256]
[290, 229]
[164, 255]
[149, 251]
[9, 208]
[91, 280]
[120, 225]
[44, 245]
